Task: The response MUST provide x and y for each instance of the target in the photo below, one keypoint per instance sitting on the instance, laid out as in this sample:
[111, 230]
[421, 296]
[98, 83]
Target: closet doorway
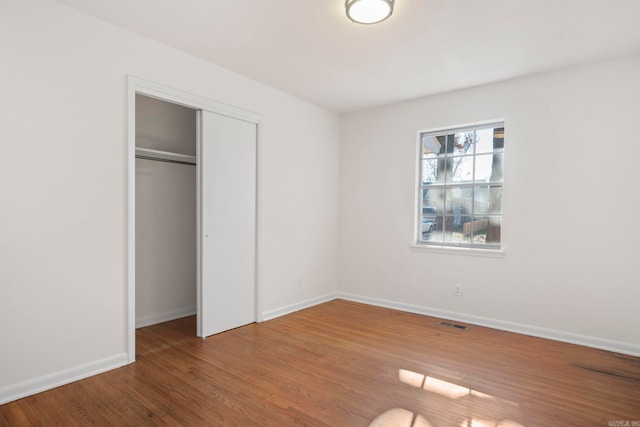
[166, 139]
[192, 211]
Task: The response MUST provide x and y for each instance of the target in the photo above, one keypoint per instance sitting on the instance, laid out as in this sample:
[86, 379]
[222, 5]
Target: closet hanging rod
[164, 156]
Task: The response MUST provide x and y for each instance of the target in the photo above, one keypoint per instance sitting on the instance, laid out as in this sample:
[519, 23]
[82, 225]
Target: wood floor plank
[346, 364]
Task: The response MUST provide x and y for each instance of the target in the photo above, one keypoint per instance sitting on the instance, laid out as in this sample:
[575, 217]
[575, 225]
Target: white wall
[570, 231]
[63, 187]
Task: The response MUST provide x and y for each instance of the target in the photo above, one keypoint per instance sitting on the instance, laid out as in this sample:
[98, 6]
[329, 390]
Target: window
[460, 187]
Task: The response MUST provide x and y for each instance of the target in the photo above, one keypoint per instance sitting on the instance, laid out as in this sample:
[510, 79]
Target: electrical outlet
[299, 283]
[457, 290]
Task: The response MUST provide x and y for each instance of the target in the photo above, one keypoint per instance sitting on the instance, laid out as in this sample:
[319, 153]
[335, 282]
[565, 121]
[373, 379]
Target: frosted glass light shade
[368, 11]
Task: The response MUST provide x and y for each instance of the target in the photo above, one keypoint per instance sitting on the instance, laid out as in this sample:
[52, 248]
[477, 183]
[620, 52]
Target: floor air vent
[454, 326]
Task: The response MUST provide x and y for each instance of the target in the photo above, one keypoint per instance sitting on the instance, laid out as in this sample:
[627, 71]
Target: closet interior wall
[165, 213]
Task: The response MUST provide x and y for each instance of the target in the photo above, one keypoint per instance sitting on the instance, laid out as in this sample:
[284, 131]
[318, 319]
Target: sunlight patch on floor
[478, 409]
[398, 417]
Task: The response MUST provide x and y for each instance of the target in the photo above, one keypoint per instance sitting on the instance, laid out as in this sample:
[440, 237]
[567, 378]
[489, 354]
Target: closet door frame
[136, 85]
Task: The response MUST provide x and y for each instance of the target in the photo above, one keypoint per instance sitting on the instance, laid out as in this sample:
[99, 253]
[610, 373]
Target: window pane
[494, 230]
[461, 143]
[429, 170]
[456, 229]
[433, 145]
[489, 168]
[486, 141]
[458, 200]
[488, 199]
[478, 230]
[498, 139]
[460, 169]
[483, 167]
[432, 201]
[431, 229]
[487, 230]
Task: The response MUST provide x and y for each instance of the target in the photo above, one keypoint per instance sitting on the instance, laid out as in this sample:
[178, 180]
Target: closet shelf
[164, 156]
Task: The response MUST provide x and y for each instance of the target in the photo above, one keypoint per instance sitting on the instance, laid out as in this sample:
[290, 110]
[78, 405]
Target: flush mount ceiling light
[368, 11]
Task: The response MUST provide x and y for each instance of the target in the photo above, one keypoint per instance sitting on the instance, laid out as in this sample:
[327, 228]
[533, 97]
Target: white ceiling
[308, 48]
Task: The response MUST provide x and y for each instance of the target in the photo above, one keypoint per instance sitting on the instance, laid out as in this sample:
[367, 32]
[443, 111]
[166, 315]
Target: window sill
[487, 253]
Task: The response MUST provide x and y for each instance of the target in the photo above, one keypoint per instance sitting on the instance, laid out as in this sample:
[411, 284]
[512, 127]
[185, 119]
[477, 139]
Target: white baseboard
[56, 379]
[272, 314]
[153, 319]
[556, 335]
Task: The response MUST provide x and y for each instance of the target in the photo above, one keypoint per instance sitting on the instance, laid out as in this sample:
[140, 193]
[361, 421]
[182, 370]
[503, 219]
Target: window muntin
[460, 187]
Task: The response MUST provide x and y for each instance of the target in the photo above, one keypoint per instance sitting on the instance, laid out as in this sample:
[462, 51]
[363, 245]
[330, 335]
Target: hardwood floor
[346, 364]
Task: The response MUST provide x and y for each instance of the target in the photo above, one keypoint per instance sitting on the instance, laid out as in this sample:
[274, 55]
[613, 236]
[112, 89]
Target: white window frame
[469, 248]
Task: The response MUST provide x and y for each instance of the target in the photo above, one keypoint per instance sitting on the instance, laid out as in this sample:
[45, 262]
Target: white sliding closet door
[228, 223]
